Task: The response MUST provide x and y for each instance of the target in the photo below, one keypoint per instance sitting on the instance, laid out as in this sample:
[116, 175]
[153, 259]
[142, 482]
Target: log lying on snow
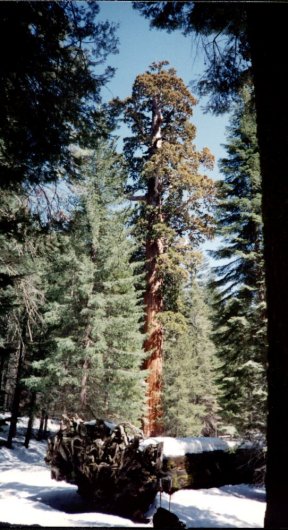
[213, 469]
[120, 472]
[107, 464]
[210, 463]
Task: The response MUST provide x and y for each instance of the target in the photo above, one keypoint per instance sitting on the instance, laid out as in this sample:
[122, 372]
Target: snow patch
[239, 506]
[29, 496]
[183, 446]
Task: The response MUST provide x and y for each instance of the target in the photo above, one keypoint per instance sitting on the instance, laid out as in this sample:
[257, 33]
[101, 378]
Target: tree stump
[107, 464]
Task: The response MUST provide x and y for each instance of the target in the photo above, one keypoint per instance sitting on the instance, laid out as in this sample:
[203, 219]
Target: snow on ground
[29, 496]
[183, 446]
[239, 506]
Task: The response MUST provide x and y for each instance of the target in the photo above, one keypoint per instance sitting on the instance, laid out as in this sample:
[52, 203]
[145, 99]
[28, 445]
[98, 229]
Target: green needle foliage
[93, 314]
[190, 390]
[49, 96]
[21, 289]
[173, 212]
[50, 85]
[241, 324]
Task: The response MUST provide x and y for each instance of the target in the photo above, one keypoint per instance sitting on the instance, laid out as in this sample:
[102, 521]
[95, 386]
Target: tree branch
[137, 198]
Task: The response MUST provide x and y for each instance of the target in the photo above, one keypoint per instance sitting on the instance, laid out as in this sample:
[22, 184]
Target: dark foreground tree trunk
[28, 435]
[41, 425]
[45, 431]
[267, 24]
[17, 392]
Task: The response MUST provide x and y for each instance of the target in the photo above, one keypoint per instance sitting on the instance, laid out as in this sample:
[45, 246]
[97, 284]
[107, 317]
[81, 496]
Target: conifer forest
[110, 307]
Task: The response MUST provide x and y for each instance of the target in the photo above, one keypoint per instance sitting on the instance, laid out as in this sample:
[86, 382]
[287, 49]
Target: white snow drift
[29, 496]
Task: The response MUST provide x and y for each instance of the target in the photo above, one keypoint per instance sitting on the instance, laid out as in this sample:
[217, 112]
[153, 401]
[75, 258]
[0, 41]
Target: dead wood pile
[107, 464]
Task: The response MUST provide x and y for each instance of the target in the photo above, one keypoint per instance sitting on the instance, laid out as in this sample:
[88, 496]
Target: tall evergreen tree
[21, 298]
[241, 324]
[190, 393]
[174, 205]
[93, 309]
[49, 97]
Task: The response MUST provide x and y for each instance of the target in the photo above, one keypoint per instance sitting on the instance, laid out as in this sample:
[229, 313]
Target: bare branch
[137, 198]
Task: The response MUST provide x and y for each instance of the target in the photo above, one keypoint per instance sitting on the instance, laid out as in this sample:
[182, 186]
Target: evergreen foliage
[48, 90]
[173, 215]
[92, 314]
[49, 96]
[175, 165]
[241, 331]
[190, 392]
[272, 119]
[185, 195]
[21, 289]
[221, 29]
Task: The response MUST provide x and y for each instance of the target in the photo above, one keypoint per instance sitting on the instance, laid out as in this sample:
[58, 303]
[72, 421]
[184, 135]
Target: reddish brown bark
[153, 344]
[153, 297]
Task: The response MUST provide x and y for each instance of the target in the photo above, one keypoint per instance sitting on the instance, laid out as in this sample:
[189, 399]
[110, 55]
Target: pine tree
[115, 385]
[190, 393]
[55, 372]
[49, 97]
[174, 205]
[21, 298]
[116, 382]
[93, 311]
[241, 325]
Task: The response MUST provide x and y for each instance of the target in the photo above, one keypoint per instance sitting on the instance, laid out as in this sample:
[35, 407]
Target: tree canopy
[49, 92]
[174, 200]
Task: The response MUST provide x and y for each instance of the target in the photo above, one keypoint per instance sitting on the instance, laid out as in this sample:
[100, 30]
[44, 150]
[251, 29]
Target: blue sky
[140, 46]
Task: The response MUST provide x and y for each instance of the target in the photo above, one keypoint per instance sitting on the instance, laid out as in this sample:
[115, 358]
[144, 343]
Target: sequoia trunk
[153, 297]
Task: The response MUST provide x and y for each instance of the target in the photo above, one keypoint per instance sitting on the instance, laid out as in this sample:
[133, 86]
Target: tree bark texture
[41, 426]
[85, 373]
[18, 389]
[267, 34]
[153, 299]
[107, 463]
[8, 377]
[28, 435]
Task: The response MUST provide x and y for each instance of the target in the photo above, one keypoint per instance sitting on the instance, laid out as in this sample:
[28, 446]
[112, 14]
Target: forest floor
[29, 496]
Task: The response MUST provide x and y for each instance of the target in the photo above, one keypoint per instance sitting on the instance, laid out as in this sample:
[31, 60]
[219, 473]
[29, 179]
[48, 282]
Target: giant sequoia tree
[263, 43]
[174, 200]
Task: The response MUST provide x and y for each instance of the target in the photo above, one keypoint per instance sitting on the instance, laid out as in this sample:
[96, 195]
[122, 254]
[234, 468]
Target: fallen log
[210, 469]
[107, 464]
[121, 473]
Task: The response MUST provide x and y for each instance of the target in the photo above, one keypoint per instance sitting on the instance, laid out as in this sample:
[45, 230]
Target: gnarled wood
[107, 464]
